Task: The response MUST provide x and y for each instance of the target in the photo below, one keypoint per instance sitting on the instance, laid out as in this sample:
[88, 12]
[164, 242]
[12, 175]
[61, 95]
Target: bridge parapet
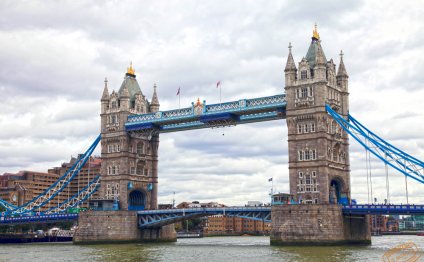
[200, 115]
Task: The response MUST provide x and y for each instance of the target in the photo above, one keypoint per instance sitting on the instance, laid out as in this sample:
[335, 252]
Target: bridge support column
[297, 225]
[96, 227]
[161, 234]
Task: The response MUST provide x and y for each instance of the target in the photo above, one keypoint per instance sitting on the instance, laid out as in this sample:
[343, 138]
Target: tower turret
[342, 76]
[124, 98]
[154, 105]
[320, 64]
[290, 70]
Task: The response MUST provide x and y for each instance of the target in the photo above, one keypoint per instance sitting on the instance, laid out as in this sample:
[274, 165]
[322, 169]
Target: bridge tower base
[318, 225]
[95, 227]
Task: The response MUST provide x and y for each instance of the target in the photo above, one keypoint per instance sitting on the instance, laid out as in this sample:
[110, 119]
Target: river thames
[205, 249]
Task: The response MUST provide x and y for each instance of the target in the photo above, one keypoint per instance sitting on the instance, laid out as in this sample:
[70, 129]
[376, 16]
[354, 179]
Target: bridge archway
[336, 186]
[136, 200]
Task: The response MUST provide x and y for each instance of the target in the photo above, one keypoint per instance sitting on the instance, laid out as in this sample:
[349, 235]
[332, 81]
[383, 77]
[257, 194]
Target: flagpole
[220, 87]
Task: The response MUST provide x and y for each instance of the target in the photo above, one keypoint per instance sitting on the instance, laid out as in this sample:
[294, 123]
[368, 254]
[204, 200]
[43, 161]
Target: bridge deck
[156, 218]
[206, 116]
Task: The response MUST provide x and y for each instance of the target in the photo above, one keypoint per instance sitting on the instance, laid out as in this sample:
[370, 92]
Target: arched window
[307, 155]
[140, 167]
[336, 153]
[140, 148]
[312, 127]
[303, 74]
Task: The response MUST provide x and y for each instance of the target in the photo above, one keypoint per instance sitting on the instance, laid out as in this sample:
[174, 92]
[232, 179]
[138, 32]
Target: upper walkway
[200, 115]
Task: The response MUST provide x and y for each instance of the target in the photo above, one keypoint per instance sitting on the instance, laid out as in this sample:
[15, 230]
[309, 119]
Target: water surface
[203, 249]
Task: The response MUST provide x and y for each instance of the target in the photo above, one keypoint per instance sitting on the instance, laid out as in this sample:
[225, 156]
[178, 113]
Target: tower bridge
[315, 105]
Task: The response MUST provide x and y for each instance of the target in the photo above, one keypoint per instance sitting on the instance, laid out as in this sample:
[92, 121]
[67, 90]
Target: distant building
[378, 223]
[412, 223]
[254, 203]
[225, 225]
[195, 204]
[164, 206]
[24, 186]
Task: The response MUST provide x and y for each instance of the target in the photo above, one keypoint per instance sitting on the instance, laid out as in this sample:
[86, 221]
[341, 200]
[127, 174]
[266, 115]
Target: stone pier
[297, 225]
[95, 227]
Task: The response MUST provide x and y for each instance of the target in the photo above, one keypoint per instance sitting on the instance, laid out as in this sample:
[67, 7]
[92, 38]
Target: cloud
[56, 54]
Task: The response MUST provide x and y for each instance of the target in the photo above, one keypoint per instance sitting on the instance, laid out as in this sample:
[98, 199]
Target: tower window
[303, 74]
[307, 179]
[301, 155]
[307, 155]
[140, 148]
[299, 129]
[305, 127]
[304, 92]
[312, 127]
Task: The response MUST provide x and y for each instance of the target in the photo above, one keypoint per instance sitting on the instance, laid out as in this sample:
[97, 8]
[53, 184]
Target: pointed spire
[320, 57]
[290, 65]
[130, 70]
[124, 93]
[315, 35]
[342, 70]
[155, 100]
[105, 96]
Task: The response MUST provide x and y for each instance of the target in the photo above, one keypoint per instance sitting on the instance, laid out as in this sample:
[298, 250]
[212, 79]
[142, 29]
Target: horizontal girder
[37, 219]
[207, 116]
[161, 217]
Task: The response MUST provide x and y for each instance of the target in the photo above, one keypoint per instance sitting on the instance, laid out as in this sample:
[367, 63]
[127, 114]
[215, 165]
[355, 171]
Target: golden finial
[198, 102]
[130, 69]
[315, 33]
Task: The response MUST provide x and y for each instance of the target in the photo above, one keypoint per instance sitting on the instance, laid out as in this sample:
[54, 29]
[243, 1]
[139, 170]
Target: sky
[55, 55]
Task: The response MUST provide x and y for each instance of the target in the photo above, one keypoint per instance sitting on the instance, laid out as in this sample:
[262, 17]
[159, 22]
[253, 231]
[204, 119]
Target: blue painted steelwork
[161, 217]
[384, 209]
[37, 219]
[389, 154]
[58, 186]
[77, 198]
[205, 116]
[156, 218]
[7, 205]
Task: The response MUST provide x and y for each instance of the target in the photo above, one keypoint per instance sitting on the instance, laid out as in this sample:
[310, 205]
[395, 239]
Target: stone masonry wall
[315, 225]
[117, 227]
[107, 226]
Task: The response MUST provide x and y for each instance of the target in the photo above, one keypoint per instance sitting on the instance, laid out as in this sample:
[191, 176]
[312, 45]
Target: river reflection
[204, 249]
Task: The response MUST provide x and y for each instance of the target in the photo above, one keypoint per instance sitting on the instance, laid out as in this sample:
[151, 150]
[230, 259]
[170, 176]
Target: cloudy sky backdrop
[55, 55]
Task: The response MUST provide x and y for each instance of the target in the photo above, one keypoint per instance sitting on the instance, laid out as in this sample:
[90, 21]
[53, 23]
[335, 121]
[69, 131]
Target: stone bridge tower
[319, 169]
[129, 162]
[318, 146]
[129, 171]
